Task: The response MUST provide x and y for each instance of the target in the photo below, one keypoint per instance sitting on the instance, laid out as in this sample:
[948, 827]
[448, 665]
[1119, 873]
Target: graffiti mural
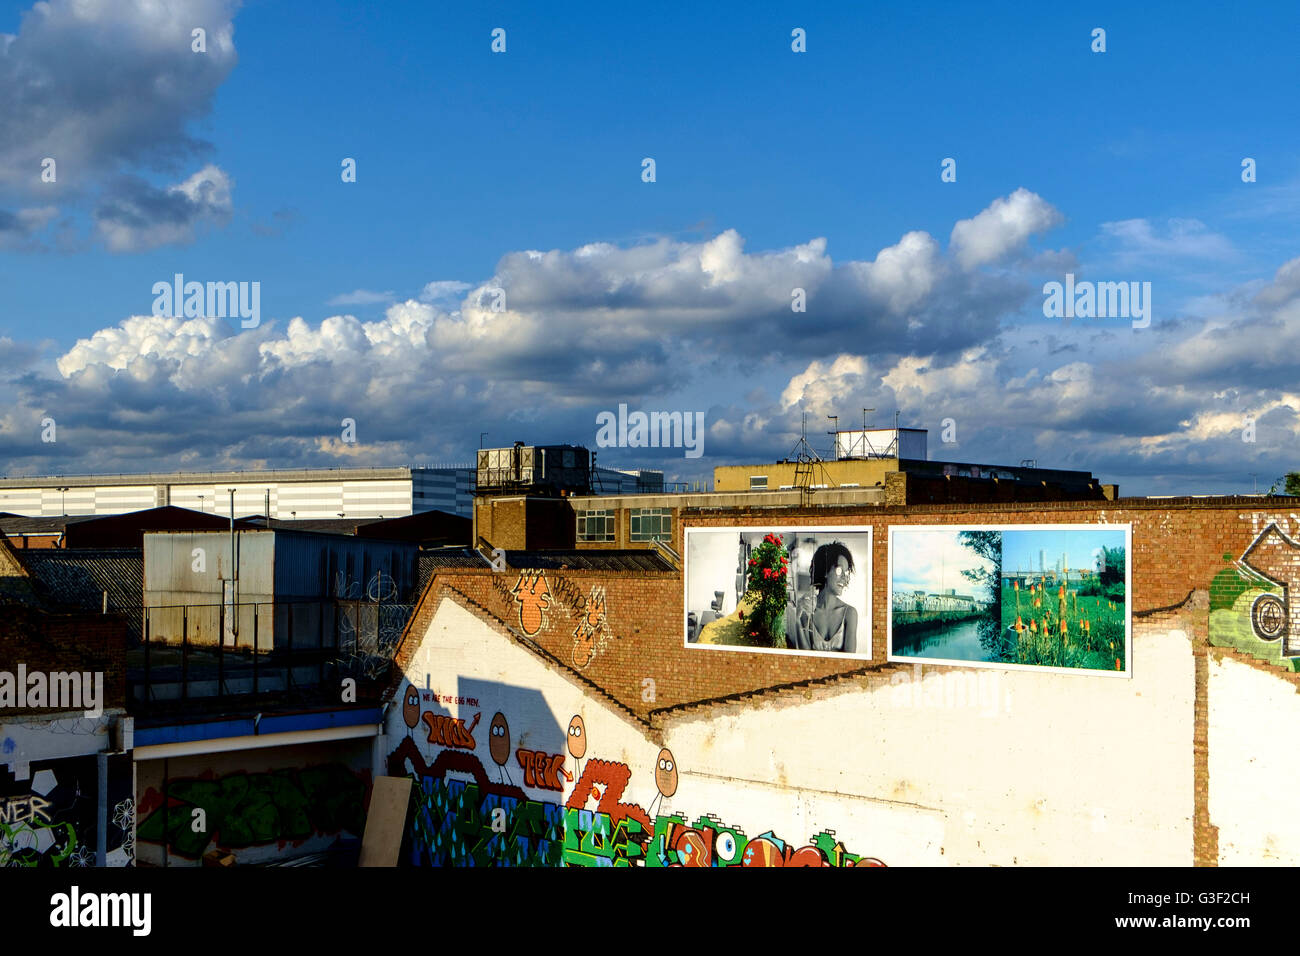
[708, 842]
[51, 819]
[591, 634]
[457, 822]
[450, 731]
[251, 809]
[1253, 603]
[461, 816]
[533, 595]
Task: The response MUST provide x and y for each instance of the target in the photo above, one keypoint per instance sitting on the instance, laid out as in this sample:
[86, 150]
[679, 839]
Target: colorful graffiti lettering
[711, 843]
[541, 770]
[479, 822]
[457, 823]
[533, 595]
[246, 809]
[595, 839]
[450, 731]
[603, 782]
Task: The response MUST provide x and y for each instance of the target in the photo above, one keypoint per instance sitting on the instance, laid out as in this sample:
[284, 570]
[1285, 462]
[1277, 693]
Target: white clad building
[287, 494]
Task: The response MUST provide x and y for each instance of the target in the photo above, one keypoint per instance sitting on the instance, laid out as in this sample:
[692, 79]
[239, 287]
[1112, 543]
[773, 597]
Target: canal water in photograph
[967, 640]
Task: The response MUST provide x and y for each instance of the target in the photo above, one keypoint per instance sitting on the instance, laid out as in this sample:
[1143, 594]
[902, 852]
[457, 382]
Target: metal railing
[298, 652]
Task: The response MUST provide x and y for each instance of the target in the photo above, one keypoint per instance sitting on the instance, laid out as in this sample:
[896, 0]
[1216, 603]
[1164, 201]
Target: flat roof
[218, 477]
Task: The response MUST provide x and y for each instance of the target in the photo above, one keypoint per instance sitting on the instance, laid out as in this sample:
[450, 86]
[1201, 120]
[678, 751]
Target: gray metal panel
[175, 574]
[318, 565]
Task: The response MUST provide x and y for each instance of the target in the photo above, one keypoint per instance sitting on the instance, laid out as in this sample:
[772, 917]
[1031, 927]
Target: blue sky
[933, 562]
[1020, 549]
[522, 171]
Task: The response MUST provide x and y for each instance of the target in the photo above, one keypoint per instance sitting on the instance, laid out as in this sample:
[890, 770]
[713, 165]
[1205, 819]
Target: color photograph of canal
[1049, 597]
[944, 598]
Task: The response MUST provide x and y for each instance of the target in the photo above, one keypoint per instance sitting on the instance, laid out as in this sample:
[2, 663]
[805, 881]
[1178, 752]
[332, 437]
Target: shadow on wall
[474, 773]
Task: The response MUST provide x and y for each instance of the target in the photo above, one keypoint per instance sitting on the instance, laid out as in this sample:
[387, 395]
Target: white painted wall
[1019, 768]
[1252, 763]
[54, 737]
[1013, 767]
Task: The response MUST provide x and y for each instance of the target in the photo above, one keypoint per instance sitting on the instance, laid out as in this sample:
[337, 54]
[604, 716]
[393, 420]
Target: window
[651, 523]
[595, 526]
[758, 482]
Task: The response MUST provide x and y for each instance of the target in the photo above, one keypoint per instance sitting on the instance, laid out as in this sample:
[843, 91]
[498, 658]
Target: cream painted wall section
[1252, 763]
[961, 766]
[972, 766]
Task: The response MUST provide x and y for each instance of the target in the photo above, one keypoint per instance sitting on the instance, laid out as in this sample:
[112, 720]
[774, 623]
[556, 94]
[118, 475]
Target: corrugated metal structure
[549, 469]
[289, 588]
[80, 579]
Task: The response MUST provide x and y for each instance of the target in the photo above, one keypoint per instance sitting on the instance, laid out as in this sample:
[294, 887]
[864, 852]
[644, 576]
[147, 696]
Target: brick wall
[65, 642]
[1177, 549]
[525, 523]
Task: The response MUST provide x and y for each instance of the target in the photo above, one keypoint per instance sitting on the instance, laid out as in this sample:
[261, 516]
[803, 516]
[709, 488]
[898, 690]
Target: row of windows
[647, 524]
[595, 526]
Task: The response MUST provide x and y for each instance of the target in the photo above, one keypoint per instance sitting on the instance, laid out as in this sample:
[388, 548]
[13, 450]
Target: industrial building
[287, 494]
[863, 458]
[518, 509]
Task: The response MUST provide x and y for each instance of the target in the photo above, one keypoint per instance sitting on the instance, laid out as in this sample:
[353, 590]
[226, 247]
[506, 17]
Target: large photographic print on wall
[787, 590]
[1044, 597]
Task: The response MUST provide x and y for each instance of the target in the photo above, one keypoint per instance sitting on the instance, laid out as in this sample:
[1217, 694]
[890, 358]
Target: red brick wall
[64, 642]
[1177, 549]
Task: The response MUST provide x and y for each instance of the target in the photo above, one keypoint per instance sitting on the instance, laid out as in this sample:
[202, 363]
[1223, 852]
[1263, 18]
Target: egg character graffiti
[577, 738]
[666, 773]
[411, 707]
[499, 739]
